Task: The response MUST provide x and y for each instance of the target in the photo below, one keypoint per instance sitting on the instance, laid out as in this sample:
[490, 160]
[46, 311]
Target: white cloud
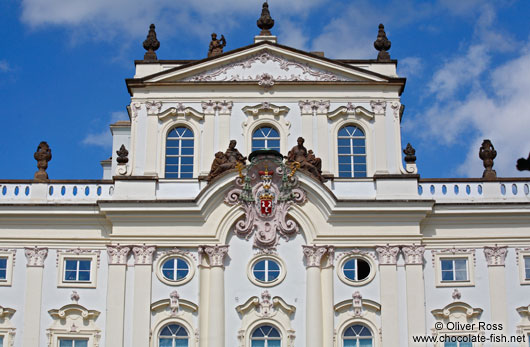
[410, 66]
[104, 137]
[4, 66]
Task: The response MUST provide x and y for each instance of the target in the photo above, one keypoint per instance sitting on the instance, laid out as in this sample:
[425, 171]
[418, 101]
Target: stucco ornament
[387, 255]
[35, 256]
[495, 255]
[266, 192]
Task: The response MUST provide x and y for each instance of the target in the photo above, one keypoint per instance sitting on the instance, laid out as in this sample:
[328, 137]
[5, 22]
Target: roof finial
[265, 22]
[487, 153]
[151, 44]
[43, 155]
[382, 44]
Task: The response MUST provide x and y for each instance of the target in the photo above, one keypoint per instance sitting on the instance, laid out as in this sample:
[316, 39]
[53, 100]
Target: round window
[266, 270]
[356, 269]
[175, 269]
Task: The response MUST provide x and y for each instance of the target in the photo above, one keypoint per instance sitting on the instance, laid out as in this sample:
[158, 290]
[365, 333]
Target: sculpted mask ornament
[266, 192]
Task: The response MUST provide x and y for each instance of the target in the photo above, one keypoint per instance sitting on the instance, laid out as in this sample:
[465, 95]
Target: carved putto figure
[216, 46]
[43, 155]
[487, 153]
[226, 161]
[307, 160]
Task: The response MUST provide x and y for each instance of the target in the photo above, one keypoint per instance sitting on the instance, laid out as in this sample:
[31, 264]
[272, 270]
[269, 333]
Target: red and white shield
[266, 207]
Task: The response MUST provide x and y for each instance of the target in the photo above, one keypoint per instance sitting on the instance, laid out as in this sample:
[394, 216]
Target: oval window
[266, 270]
[356, 269]
[175, 269]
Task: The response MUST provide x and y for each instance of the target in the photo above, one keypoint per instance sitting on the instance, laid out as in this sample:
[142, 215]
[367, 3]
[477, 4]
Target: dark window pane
[71, 264]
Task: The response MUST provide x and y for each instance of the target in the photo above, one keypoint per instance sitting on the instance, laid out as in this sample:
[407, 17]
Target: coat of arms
[266, 189]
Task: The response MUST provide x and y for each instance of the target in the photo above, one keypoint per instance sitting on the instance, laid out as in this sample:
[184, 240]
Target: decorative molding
[208, 107]
[387, 255]
[456, 295]
[357, 304]
[176, 251]
[216, 254]
[313, 254]
[396, 108]
[78, 251]
[35, 256]
[265, 107]
[13, 252]
[294, 71]
[135, 109]
[224, 107]
[266, 307]
[174, 305]
[413, 254]
[6, 312]
[322, 107]
[519, 251]
[75, 297]
[71, 320]
[453, 251]
[117, 254]
[378, 107]
[319, 106]
[306, 107]
[351, 110]
[153, 107]
[495, 256]
[355, 252]
[143, 255]
[180, 111]
[457, 309]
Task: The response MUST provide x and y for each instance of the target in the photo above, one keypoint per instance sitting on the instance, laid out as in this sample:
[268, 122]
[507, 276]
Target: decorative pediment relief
[351, 110]
[266, 307]
[265, 68]
[265, 108]
[357, 306]
[458, 311]
[181, 111]
[174, 306]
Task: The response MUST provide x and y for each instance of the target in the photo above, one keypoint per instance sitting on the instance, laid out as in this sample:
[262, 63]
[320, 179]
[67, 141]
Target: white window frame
[469, 257]
[266, 341]
[72, 337]
[9, 255]
[62, 257]
[523, 254]
[356, 255]
[175, 254]
[365, 126]
[260, 257]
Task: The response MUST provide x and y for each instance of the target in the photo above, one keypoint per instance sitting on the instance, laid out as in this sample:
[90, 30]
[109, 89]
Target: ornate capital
[135, 108]
[306, 107]
[313, 255]
[35, 256]
[118, 254]
[208, 107]
[153, 107]
[322, 106]
[396, 108]
[413, 254]
[143, 255]
[495, 255]
[378, 107]
[387, 255]
[224, 107]
[216, 254]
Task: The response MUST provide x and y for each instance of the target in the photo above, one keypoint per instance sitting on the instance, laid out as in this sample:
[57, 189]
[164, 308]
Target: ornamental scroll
[266, 191]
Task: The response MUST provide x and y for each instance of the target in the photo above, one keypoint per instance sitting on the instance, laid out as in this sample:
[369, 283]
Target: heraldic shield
[266, 189]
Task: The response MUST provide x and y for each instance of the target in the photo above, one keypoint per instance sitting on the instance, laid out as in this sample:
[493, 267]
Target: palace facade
[308, 229]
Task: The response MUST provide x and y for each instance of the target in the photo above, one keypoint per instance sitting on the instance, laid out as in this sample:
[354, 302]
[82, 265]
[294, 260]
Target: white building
[155, 255]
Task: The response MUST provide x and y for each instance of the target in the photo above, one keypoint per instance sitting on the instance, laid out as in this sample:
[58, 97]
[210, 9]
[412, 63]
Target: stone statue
[226, 161]
[307, 160]
[523, 164]
[487, 153]
[43, 155]
[216, 46]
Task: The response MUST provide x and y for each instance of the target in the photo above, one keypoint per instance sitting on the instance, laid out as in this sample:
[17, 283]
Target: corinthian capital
[225, 107]
[143, 255]
[306, 107]
[118, 254]
[387, 255]
[208, 107]
[322, 106]
[495, 255]
[216, 254]
[313, 254]
[413, 254]
[153, 107]
[378, 107]
[35, 256]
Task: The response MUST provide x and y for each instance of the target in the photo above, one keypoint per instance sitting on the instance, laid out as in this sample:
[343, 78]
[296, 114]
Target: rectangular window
[77, 270]
[527, 267]
[1, 341]
[3, 269]
[454, 269]
[73, 343]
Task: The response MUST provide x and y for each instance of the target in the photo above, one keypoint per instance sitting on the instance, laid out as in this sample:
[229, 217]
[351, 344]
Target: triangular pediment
[266, 64]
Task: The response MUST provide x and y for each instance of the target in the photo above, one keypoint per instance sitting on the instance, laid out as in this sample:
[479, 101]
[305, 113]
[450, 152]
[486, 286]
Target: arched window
[179, 153]
[266, 336]
[173, 335]
[266, 137]
[352, 152]
[357, 336]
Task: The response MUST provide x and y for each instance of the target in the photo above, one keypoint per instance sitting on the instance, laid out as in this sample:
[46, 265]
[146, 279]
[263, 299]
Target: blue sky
[63, 65]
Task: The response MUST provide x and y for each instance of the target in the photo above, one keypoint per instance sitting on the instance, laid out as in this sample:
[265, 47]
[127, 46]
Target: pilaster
[314, 313]
[387, 256]
[143, 260]
[114, 328]
[381, 162]
[495, 257]
[322, 140]
[328, 314]
[33, 298]
[415, 292]
[153, 109]
[306, 112]
[216, 301]
[223, 128]
[208, 133]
